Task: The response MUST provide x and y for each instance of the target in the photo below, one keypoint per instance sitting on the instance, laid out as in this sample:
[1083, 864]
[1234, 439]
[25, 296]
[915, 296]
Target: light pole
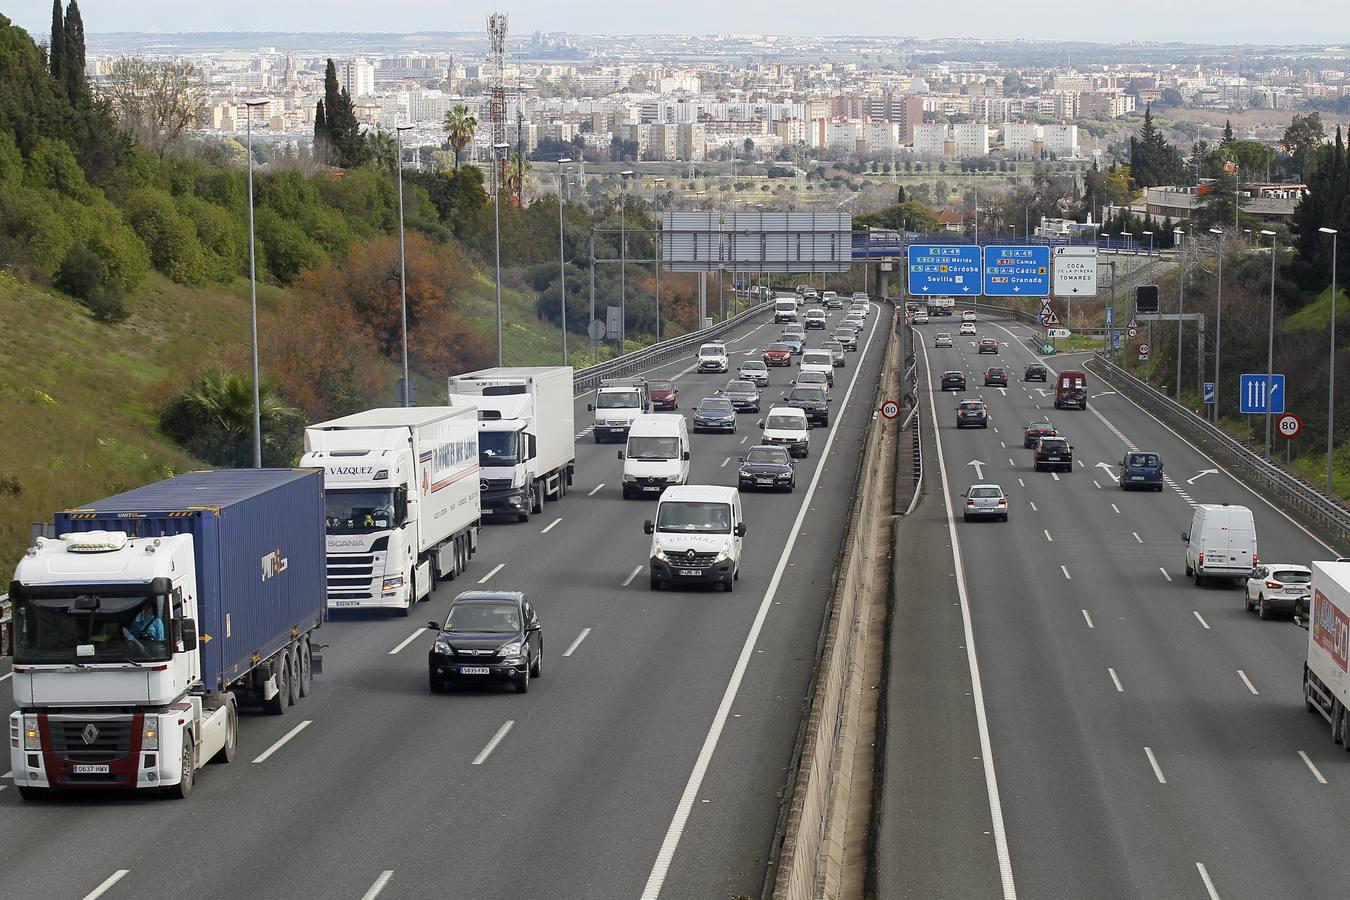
[1331, 379]
[253, 288]
[562, 265]
[623, 258]
[497, 157]
[1270, 337]
[1218, 322]
[655, 182]
[403, 265]
[1181, 306]
[1150, 242]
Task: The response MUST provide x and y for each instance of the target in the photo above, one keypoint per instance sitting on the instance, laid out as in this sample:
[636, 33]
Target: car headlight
[443, 648]
[630, 478]
[393, 582]
[508, 651]
[150, 734]
[784, 476]
[32, 740]
[660, 555]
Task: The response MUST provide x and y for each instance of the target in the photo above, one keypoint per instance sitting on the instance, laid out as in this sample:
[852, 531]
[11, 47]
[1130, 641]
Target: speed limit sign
[1289, 425]
[890, 409]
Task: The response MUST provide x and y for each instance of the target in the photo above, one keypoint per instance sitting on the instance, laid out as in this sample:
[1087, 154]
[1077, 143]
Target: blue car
[794, 343]
[1141, 469]
[714, 414]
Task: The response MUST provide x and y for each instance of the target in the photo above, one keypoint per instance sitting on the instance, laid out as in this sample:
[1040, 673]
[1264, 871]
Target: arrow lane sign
[1203, 473]
[979, 468]
[1109, 469]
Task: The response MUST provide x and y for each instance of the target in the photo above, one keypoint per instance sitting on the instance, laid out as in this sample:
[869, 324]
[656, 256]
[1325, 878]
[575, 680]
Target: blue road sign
[1252, 394]
[1110, 317]
[944, 270]
[1016, 271]
[1209, 392]
[1115, 335]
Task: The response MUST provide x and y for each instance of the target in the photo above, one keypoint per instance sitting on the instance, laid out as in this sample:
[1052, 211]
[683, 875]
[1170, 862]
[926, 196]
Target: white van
[785, 309]
[1221, 542]
[786, 426]
[696, 536]
[712, 357]
[657, 454]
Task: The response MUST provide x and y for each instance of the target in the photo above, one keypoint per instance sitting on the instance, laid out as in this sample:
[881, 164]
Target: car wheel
[436, 683]
[598, 438]
[1262, 610]
[1199, 579]
[537, 670]
[1247, 601]
[729, 584]
[655, 583]
[523, 681]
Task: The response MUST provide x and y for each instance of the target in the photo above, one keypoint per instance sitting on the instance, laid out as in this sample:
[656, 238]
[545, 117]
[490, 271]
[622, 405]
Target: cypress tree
[56, 55]
[1227, 130]
[77, 87]
[322, 139]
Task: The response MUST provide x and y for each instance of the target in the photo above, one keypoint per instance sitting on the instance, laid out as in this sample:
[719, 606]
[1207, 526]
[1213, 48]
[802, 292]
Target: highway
[1068, 715]
[648, 759]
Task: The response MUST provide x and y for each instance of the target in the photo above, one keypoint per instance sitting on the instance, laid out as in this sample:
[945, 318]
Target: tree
[56, 55]
[749, 147]
[1153, 161]
[213, 420]
[76, 85]
[459, 126]
[513, 177]
[1227, 134]
[1304, 134]
[1325, 205]
[322, 140]
[383, 149]
[344, 145]
[154, 101]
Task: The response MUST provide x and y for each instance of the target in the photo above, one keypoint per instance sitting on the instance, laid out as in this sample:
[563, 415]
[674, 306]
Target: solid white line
[1164, 573]
[1065, 570]
[724, 463]
[1116, 681]
[631, 575]
[107, 883]
[1201, 619]
[577, 643]
[374, 890]
[5, 677]
[1116, 508]
[408, 640]
[976, 685]
[661, 866]
[1033, 506]
[1088, 618]
[1247, 681]
[283, 741]
[1153, 761]
[492, 744]
[595, 490]
[1312, 768]
[550, 526]
[1046, 532]
[1137, 537]
[1204, 873]
[495, 569]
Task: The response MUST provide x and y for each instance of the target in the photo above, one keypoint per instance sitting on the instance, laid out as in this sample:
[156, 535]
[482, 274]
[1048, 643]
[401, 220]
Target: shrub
[80, 273]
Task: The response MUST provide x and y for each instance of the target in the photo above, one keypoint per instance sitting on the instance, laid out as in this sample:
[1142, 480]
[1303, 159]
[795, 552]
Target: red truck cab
[1071, 391]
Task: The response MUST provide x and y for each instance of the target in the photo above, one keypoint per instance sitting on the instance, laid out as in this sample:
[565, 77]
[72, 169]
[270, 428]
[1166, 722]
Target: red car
[664, 394]
[988, 345]
[778, 355]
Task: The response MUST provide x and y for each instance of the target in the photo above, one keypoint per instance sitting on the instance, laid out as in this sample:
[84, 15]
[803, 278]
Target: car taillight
[1200, 560]
[970, 503]
[1256, 560]
[1002, 501]
[1273, 585]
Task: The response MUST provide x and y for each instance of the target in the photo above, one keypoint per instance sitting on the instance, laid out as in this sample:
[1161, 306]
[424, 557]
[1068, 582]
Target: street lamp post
[655, 182]
[1218, 322]
[1331, 359]
[623, 258]
[1270, 336]
[562, 265]
[403, 266]
[1181, 306]
[1150, 242]
[498, 151]
[253, 288]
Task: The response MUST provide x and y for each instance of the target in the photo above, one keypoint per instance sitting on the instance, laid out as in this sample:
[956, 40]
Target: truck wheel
[226, 753]
[277, 705]
[294, 699]
[183, 788]
[32, 794]
[655, 582]
[305, 669]
[406, 610]
[539, 492]
[1337, 727]
[1345, 732]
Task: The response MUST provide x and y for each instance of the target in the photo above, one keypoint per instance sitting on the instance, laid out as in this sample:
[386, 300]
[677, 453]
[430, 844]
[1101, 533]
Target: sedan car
[778, 355]
[1037, 430]
[996, 376]
[808, 376]
[836, 352]
[754, 370]
[487, 636]
[767, 468]
[942, 340]
[714, 414]
[846, 336]
[972, 414]
[834, 302]
[967, 328]
[1034, 372]
[988, 345]
[1054, 453]
[811, 399]
[953, 381]
[664, 394]
[985, 501]
[1277, 587]
[744, 396]
[794, 342]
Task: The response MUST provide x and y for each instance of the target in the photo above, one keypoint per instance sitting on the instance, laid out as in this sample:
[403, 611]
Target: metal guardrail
[1291, 493]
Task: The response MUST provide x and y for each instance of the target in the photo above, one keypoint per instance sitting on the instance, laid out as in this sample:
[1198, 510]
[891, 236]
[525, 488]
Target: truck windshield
[617, 400]
[653, 448]
[498, 448]
[358, 511]
[90, 628]
[685, 517]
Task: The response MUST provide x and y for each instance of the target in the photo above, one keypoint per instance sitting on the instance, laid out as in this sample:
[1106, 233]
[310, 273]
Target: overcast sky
[1196, 21]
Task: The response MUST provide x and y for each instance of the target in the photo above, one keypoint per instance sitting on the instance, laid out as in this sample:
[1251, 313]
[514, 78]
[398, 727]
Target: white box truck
[401, 501]
[1326, 684]
[526, 435]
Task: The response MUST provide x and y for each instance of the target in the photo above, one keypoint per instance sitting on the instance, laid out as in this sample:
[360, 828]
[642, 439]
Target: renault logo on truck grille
[90, 734]
[690, 554]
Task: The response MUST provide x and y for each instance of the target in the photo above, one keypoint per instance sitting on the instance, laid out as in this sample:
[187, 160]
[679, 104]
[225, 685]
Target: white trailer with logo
[1326, 680]
[401, 501]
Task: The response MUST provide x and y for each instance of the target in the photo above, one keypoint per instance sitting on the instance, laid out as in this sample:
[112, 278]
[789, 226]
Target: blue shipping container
[258, 537]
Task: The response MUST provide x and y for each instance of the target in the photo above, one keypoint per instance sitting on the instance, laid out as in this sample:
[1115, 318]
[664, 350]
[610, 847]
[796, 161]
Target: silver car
[754, 370]
[985, 501]
[942, 340]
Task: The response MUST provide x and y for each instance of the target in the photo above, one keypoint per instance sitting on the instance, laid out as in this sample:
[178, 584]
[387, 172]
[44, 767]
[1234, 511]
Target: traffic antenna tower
[497, 26]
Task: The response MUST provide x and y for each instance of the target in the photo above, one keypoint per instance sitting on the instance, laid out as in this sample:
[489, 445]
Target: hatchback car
[1054, 453]
[1034, 372]
[794, 343]
[921, 318]
[972, 414]
[664, 394]
[996, 376]
[953, 381]
[778, 355]
[834, 302]
[795, 328]
[743, 394]
[767, 468]
[714, 414]
[1141, 469]
[942, 340]
[985, 501]
[967, 328]
[1037, 430]
[846, 336]
[811, 399]
[754, 370]
[1277, 588]
[836, 352]
[988, 345]
[968, 315]
[487, 636]
[815, 318]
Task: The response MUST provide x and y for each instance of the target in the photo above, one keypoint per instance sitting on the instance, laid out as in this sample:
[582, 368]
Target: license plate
[484, 511]
[764, 480]
[346, 602]
[88, 769]
[651, 487]
[474, 670]
[690, 572]
[1136, 477]
[1053, 458]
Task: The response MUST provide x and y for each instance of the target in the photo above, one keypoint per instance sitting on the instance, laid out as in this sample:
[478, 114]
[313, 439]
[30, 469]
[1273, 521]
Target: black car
[996, 376]
[1054, 453]
[714, 414]
[953, 381]
[767, 468]
[811, 399]
[743, 394]
[972, 413]
[487, 636]
[1034, 372]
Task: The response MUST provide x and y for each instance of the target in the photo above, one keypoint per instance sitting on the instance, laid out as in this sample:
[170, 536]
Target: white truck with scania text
[1326, 672]
[401, 498]
[526, 435]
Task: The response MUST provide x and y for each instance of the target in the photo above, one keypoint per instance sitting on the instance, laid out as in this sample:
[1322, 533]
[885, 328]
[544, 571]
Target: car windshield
[740, 387]
[785, 423]
[654, 386]
[1292, 576]
[484, 618]
[972, 404]
[1054, 443]
[617, 399]
[710, 404]
[997, 373]
[953, 375]
[813, 394]
[777, 348]
[766, 455]
[360, 512]
[710, 351]
[498, 448]
[755, 366]
[1040, 426]
[90, 628]
[688, 516]
[985, 492]
[1143, 460]
[653, 448]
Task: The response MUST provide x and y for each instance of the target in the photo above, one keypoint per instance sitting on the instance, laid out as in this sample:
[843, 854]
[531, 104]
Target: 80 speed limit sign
[1289, 425]
[890, 409]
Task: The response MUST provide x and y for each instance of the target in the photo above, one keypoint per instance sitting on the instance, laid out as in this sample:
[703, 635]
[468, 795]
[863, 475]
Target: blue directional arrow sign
[944, 270]
[1255, 399]
[1209, 392]
[1017, 271]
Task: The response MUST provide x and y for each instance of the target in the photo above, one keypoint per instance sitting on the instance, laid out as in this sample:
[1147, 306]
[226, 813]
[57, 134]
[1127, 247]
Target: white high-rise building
[880, 137]
[1018, 137]
[1061, 140]
[930, 139]
[358, 77]
[971, 139]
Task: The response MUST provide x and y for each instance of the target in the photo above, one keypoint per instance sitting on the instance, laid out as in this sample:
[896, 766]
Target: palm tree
[221, 404]
[513, 179]
[459, 126]
[383, 148]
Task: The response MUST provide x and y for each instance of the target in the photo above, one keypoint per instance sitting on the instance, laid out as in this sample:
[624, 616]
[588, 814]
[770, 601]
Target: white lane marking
[1082, 464]
[1011, 463]
[1098, 486]
[9, 774]
[595, 490]
[1004, 446]
[661, 866]
[550, 526]
[492, 744]
[374, 890]
[1312, 768]
[1204, 876]
[1248, 682]
[408, 640]
[577, 643]
[1116, 681]
[1116, 508]
[1033, 506]
[1164, 573]
[1054, 475]
[1137, 537]
[1065, 570]
[1046, 532]
[495, 569]
[1153, 761]
[107, 884]
[1021, 483]
[5, 677]
[1088, 619]
[724, 463]
[283, 741]
[631, 575]
[744, 439]
[1201, 619]
[976, 685]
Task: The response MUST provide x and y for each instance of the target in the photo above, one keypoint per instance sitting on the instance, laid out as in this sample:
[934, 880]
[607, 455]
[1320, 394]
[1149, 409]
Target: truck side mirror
[740, 530]
[401, 504]
[590, 407]
[685, 456]
[1185, 536]
[648, 527]
[620, 454]
[761, 424]
[188, 630]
